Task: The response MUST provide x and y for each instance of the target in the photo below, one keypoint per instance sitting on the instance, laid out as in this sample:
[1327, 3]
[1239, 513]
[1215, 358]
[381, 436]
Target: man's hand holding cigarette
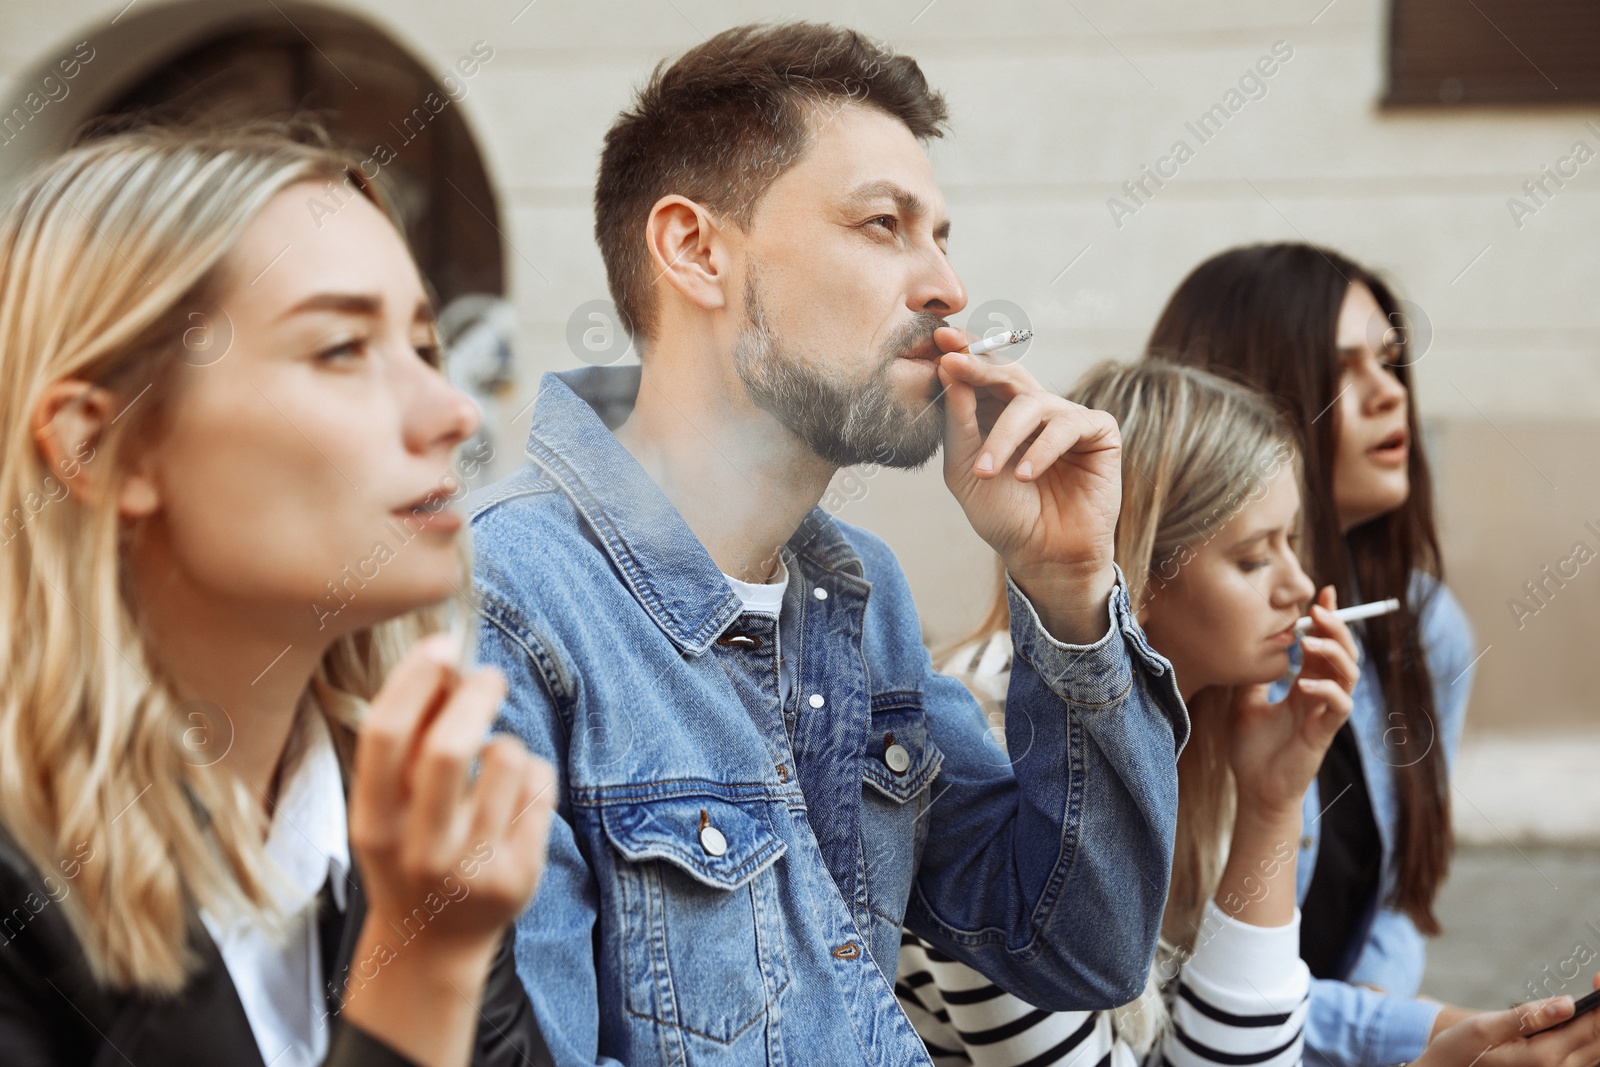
[1040, 480]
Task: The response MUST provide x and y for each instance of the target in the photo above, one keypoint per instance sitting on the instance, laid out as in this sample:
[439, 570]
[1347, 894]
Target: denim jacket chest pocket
[697, 905]
[899, 766]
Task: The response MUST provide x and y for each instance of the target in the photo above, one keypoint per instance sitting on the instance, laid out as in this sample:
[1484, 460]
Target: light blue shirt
[1350, 1026]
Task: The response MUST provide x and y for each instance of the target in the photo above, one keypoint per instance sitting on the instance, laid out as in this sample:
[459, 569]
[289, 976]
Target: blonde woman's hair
[1196, 450]
[108, 256]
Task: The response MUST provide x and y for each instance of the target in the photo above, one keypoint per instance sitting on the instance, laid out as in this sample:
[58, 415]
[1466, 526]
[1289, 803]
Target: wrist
[430, 958]
[1259, 820]
[1070, 599]
[421, 996]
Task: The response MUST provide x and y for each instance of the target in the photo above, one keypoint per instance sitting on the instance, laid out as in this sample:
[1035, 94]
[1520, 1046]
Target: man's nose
[938, 289]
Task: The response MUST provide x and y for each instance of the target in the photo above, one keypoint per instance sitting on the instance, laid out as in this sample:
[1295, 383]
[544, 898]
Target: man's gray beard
[843, 423]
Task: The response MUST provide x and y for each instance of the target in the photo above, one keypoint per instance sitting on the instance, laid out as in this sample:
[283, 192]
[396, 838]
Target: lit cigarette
[997, 342]
[1360, 611]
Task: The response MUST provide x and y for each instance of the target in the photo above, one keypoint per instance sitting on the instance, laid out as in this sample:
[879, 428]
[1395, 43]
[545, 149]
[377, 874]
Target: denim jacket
[727, 876]
[1351, 1026]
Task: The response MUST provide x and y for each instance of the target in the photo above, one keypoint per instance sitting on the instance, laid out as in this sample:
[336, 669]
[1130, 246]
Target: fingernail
[986, 462]
[1025, 469]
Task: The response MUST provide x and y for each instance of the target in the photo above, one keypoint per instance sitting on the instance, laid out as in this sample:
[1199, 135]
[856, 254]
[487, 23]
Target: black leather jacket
[53, 1013]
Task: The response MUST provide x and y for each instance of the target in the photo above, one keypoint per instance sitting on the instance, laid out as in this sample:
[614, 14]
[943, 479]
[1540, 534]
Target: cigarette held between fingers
[998, 341]
[1351, 614]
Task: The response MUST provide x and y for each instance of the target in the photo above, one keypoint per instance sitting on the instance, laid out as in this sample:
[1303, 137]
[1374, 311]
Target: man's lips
[926, 350]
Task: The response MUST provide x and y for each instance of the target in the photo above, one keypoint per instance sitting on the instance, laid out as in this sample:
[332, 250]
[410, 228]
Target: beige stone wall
[1056, 105]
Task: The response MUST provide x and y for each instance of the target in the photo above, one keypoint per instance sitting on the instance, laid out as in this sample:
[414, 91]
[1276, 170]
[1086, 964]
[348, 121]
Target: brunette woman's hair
[1267, 315]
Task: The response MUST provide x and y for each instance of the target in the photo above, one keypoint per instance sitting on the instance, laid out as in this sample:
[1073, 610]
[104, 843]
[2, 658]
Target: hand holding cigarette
[1039, 477]
[1352, 614]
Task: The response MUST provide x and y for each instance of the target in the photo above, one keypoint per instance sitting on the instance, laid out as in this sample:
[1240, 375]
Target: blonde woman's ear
[69, 422]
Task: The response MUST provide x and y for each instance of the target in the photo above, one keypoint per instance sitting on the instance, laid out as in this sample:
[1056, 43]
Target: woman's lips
[1391, 451]
[431, 512]
[1284, 637]
[443, 521]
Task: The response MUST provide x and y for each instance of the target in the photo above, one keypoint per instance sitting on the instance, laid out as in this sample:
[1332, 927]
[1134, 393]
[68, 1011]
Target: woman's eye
[1248, 565]
[351, 349]
[887, 222]
[430, 354]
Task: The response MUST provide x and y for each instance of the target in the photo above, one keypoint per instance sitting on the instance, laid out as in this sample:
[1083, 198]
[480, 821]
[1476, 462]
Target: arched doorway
[222, 61]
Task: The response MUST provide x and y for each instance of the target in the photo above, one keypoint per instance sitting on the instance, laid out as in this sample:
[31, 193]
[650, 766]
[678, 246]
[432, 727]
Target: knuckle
[379, 736]
[421, 865]
[369, 839]
[447, 755]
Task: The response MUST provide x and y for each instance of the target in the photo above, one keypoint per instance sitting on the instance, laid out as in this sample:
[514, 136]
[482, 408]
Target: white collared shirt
[280, 981]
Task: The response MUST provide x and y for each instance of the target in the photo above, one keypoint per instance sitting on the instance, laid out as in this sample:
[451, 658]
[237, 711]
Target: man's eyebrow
[908, 202]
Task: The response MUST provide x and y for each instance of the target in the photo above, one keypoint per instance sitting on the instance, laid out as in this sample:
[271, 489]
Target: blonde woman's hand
[1276, 749]
[1496, 1038]
[447, 860]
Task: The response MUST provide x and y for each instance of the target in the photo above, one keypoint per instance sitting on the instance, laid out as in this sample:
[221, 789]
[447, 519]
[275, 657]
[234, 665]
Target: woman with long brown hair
[1330, 342]
[1207, 537]
[238, 819]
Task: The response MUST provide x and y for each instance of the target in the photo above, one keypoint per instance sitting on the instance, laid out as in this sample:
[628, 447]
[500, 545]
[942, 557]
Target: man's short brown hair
[721, 124]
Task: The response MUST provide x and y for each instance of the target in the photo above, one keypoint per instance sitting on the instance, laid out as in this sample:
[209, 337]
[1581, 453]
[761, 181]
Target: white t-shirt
[280, 982]
[766, 598]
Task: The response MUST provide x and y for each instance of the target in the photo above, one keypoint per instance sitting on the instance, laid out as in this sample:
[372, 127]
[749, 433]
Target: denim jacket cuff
[1400, 1029]
[1087, 675]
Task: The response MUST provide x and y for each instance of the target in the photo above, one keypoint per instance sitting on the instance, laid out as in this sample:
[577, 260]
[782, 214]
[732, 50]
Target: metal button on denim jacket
[729, 873]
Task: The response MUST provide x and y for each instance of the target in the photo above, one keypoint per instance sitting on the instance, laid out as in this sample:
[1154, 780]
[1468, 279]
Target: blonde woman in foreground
[1207, 541]
[238, 822]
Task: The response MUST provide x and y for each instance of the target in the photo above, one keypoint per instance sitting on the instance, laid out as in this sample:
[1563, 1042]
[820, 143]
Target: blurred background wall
[1418, 136]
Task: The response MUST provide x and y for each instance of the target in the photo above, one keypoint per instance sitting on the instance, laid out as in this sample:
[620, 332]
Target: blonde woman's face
[1227, 616]
[311, 436]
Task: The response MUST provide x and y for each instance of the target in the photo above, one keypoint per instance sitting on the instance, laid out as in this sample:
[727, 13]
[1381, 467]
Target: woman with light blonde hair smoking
[238, 819]
[1207, 539]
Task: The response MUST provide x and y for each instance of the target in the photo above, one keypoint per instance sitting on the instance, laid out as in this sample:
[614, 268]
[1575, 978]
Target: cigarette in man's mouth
[997, 342]
[1351, 614]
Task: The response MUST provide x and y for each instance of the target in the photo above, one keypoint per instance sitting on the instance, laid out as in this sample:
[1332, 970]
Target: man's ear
[687, 251]
[69, 422]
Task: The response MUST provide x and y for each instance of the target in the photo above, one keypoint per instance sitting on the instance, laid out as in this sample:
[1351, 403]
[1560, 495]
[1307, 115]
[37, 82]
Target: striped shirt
[1238, 1001]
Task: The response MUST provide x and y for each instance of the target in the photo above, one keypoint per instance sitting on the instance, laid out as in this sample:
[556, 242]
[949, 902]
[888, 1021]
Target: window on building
[1474, 52]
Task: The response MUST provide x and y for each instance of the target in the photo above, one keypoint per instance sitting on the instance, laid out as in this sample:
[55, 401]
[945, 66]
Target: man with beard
[762, 775]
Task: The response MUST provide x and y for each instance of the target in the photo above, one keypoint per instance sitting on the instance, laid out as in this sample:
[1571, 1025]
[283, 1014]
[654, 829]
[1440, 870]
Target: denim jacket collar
[657, 555]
